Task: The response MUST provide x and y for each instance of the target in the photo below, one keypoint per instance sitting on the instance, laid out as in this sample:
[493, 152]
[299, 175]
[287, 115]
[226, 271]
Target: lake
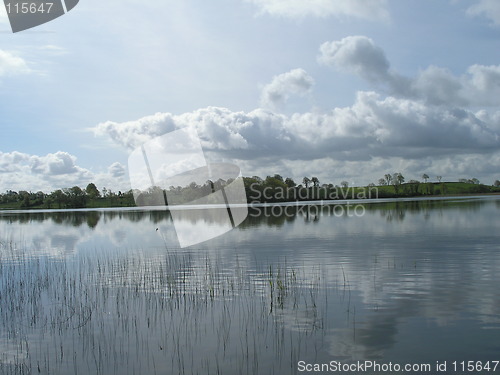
[397, 282]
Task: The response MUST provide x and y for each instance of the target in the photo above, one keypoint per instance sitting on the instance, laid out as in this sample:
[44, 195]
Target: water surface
[106, 292]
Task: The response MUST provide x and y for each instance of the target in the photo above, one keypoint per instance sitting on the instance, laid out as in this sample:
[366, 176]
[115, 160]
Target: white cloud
[479, 86]
[488, 8]
[116, 170]
[356, 54]
[294, 82]
[60, 163]
[20, 171]
[11, 64]
[372, 127]
[433, 122]
[372, 9]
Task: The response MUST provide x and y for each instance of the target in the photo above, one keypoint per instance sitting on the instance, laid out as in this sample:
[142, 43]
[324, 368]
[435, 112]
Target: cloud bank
[371, 10]
[424, 123]
[487, 8]
[478, 86]
[21, 171]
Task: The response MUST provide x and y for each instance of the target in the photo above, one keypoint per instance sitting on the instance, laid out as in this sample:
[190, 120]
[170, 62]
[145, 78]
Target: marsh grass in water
[182, 313]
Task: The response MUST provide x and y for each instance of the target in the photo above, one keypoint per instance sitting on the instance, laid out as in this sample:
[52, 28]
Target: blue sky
[338, 89]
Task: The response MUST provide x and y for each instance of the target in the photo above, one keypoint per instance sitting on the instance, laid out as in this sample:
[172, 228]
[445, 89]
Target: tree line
[274, 188]
[74, 197]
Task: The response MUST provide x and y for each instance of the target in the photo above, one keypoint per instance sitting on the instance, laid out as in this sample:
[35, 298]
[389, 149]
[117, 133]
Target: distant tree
[59, 198]
[425, 177]
[274, 187]
[306, 181]
[382, 182]
[463, 180]
[290, 182]
[39, 198]
[439, 178]
[397, 180]
[92, 191]
[278, 177]
[388, 178]
[475, 181]
[344, 184]
[22, 195]
[412, 186]
[315, 181]
[77, 197]
[48, 201]
[496, 183]
[209, 185]
[26, 201]
[371, 184]
[257, 179]
[220, 183]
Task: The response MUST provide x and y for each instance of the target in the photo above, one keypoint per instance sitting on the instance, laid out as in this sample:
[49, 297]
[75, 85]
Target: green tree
[425, 177]
[278, 177]
[290, 182]
[306, 181]
[59, 198]
[275, 187]
[397, 181]
[77, 197]
[315, 181]
[388, 178]
[92, 191]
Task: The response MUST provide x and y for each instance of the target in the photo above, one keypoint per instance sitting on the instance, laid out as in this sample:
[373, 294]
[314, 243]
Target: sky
[338, 89]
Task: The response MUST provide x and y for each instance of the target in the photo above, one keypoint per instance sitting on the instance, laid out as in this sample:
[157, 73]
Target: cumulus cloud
[294, 82]
[487, 8]
[478, 86]
[60, 163]
[373, 126]
[435, 122]
[21, 171]
[356, 54]
[11, 64]
[372, 10]
[116, 170]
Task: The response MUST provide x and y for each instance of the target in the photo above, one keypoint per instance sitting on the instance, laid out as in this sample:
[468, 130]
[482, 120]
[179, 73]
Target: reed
[135, 314]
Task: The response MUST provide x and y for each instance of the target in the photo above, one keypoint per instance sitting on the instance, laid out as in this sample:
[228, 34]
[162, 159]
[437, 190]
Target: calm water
[104, 292]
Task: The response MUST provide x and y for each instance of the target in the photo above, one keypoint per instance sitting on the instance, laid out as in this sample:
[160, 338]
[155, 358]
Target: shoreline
[256, 204]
